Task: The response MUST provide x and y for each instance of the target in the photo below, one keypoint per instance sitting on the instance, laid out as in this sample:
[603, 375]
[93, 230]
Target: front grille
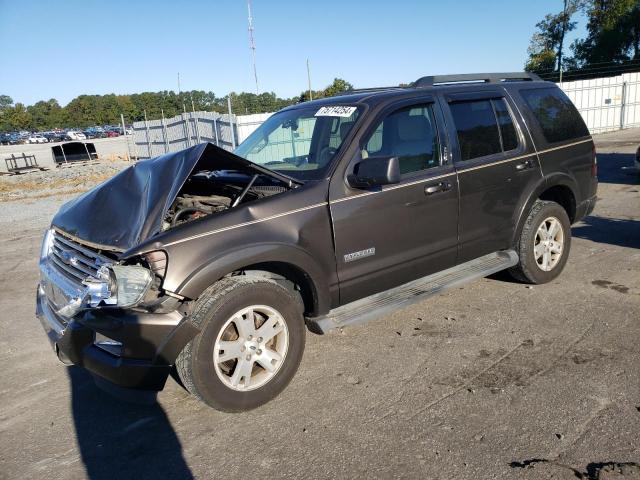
[75, 261]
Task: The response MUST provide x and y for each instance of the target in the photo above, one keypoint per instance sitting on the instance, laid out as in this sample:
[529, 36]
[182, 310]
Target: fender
[544, 183]
[216, 268]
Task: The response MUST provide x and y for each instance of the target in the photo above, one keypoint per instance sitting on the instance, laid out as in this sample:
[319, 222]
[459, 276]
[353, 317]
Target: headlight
[131, 284]
[47, 244]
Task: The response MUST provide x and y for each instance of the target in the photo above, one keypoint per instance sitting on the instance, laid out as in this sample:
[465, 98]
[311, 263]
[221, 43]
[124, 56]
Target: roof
[422, 85]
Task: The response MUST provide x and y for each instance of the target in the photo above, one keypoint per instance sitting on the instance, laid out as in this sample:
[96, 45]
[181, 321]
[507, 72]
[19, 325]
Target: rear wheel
[250, 345]
[544, 243]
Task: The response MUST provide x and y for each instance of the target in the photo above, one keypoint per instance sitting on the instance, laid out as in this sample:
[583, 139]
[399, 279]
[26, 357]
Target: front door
[397, 233]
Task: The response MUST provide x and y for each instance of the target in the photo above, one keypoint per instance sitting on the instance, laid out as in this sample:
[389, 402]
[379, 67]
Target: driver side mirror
[375, 171]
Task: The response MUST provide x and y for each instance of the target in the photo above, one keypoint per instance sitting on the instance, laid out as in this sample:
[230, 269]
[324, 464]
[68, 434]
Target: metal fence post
[124, 132]
[215, 130]
[164, 133]
[146, 126]
[185, 129]
[233, 133]
[623, 104]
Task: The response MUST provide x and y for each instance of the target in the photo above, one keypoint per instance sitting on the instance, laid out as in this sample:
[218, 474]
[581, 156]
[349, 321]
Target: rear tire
[233, 364]
[544, 244]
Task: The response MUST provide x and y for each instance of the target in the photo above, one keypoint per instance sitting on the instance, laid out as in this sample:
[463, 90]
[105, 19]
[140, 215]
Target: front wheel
[544, 243]
[250, 345]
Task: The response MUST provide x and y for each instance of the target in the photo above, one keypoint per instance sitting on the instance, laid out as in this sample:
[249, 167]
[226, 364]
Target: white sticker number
[336, 111]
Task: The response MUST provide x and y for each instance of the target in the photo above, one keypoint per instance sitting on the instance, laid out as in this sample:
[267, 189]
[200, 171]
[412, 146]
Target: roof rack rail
[371, 89]
[430, 81]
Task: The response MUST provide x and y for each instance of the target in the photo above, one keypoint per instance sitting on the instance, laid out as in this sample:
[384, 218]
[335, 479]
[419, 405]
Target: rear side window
[484, 127]
[557, 116]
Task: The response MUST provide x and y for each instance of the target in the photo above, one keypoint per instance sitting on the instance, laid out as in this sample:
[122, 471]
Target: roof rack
[371, 89]
[475, 77]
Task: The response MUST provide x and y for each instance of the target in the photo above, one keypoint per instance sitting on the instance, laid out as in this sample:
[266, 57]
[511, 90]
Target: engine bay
[211, 192]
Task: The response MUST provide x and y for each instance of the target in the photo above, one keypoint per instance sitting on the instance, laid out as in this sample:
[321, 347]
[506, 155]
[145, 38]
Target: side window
[507, 129]
[556, 115]
[484, 127]
[410, 134]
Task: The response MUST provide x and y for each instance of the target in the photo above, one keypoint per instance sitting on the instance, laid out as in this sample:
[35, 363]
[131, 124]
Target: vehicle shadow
[122, 440]
[617, 168]
[614, 231]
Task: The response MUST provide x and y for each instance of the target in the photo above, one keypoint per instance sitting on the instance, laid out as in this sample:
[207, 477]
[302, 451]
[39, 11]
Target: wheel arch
[270, 260]
[559, 188]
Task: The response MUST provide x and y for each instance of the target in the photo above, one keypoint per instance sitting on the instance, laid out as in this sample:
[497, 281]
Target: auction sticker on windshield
[336, 111]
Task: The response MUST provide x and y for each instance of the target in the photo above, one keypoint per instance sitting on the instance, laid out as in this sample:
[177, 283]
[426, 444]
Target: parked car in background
[12, 139]
[37, 138]
[76, 135]
[55, 136]
[113, 133]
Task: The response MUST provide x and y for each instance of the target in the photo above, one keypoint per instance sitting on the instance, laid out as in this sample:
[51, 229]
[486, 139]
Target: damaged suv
[331, 213]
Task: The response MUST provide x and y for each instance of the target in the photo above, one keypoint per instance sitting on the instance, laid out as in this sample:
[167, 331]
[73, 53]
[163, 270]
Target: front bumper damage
[141, 346]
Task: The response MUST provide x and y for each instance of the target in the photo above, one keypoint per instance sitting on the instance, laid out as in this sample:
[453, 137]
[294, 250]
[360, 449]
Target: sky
[66, 48]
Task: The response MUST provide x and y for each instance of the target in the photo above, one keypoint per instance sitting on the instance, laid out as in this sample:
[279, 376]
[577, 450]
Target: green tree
[18, 117]
[546, 48]
[337, 87]
[613, 33]
[46, 114]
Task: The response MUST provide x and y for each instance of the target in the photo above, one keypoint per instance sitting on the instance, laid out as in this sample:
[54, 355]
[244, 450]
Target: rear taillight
[594, 163]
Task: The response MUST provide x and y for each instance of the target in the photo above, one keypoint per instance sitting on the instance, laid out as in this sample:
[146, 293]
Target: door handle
[438, 187]
[524, 165]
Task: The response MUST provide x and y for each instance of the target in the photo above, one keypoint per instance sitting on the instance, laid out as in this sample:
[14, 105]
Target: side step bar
[379, 304]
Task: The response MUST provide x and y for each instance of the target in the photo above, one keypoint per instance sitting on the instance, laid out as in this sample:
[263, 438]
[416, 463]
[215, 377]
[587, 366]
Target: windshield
[302, 142]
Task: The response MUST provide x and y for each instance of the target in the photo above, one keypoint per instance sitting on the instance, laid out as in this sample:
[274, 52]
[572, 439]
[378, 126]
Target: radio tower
[252, 46]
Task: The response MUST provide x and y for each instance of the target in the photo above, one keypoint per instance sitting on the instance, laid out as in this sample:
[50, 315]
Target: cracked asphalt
[492, 380]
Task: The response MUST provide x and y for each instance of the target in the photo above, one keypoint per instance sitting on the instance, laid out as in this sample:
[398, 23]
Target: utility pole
[252, 47]
[309, 80]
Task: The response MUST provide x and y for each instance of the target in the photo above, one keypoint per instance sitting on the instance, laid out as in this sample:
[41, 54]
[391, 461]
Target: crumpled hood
[130, 207]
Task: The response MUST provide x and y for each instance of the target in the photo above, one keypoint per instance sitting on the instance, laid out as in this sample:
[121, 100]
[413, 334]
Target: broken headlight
[47, 244]
[130, 283]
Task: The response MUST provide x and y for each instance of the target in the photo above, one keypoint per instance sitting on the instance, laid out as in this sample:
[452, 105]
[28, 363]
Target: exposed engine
[208, 193]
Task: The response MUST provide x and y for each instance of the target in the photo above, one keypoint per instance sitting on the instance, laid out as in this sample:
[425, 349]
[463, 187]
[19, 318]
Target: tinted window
[477, 128]
[556, 115]
[410, 134]
[507, 130]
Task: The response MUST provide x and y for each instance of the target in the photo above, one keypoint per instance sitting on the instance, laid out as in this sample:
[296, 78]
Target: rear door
[388, 236]
[496, 165]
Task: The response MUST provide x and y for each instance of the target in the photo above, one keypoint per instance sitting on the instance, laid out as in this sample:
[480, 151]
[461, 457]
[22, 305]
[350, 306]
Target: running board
[379, 304]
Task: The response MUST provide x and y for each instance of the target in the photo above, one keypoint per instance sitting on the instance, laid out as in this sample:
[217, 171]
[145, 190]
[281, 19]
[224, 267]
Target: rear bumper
[150, 342]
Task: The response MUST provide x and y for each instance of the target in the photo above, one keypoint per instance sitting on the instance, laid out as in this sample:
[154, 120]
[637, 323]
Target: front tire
[544, 244]
[250, 345]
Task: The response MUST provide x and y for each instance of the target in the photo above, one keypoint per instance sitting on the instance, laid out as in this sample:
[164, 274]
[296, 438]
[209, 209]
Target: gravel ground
[493, 380]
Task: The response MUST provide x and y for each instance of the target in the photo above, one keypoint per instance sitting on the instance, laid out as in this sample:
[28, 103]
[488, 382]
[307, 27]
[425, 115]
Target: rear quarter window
[558, 118]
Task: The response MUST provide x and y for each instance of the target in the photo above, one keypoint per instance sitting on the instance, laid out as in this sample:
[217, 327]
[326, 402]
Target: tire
[202, 368]
[529, 245]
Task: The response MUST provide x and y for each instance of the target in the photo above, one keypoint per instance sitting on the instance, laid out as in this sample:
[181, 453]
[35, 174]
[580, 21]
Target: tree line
[88, 110]
[611, 44]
